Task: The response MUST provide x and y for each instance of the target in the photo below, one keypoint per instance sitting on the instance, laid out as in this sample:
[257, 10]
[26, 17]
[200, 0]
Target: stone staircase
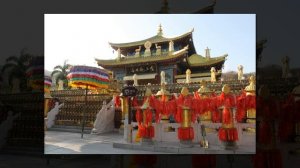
[66, 128]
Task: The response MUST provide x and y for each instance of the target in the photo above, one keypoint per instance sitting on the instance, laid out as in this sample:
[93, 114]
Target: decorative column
[144, 119]
[228, 134]
[184, 116]
[124, 108]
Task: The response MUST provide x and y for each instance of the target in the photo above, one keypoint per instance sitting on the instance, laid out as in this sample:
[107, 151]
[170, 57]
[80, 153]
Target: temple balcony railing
[153, 54]
[236, 87]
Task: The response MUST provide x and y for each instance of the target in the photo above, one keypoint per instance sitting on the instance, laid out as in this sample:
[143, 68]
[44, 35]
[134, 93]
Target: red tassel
[185, 133]
[216, 117]
[148, 115]
[139, 116]
[226, 116]
[228, 134]
[117, 101]
[134, 102]
[146, 132]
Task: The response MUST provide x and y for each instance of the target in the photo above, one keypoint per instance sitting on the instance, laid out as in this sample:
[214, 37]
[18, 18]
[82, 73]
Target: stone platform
[177, 148]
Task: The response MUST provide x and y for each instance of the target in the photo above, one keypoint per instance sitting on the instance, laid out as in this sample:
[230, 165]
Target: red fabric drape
[139, 116]
[228, 134]
[244, 102]
[183, 101]
[134, 102]
[146, 131]
[185, 133]
[117, 101]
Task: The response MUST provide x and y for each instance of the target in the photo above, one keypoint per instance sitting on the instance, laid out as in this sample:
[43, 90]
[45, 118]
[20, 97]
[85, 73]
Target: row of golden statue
[202, 106]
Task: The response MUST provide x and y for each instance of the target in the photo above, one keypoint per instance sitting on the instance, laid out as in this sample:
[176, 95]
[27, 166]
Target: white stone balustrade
[160, 135]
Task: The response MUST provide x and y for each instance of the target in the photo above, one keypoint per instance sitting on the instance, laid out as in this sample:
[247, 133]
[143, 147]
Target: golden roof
[159, 38]
[198, 60]
[133, 60]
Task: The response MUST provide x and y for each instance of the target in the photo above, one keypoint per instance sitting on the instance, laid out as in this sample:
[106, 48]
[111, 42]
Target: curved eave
[114, 63]
[154, 39]
[208, 62]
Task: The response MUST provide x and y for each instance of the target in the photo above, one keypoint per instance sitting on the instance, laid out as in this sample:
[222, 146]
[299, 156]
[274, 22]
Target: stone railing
[162, 135]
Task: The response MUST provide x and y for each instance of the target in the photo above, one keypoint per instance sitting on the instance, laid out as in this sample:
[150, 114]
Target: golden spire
[159, 32]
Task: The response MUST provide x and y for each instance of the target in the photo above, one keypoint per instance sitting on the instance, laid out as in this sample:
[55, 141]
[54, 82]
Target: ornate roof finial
[159, 32]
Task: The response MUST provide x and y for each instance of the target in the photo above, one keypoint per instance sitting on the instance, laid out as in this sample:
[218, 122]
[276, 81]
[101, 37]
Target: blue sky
[81, 38]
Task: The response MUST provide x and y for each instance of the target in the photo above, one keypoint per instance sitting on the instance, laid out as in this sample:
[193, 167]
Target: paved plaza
[112, 143]
[71, 143]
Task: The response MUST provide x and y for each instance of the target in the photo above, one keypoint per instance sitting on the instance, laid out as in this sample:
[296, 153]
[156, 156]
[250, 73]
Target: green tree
[17, 66]
[60, 73]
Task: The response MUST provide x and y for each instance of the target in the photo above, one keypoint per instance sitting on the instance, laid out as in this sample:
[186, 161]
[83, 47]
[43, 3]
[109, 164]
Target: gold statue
[188, 76]
[213, 74]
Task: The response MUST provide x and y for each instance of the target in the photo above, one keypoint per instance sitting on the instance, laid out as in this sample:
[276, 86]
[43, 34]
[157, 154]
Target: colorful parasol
[81, 76]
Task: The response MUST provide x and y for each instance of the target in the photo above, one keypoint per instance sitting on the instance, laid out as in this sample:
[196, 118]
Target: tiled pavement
[71, 143]
[112, 143]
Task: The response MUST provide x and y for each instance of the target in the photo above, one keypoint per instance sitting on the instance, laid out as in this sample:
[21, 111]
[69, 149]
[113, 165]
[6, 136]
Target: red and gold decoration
[164, 105]
[227, 133]
[246, 103]
[144, 118]
[95, 78]
[184, 115]
[204, 104]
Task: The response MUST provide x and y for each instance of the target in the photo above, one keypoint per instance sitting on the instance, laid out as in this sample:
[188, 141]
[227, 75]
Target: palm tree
[18, 67]
[61, 72]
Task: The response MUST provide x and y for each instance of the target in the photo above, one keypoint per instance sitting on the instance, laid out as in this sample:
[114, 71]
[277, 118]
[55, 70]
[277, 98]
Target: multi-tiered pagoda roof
[163, 51]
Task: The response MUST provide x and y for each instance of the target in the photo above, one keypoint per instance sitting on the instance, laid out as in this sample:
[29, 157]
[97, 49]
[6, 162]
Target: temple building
[147, 58]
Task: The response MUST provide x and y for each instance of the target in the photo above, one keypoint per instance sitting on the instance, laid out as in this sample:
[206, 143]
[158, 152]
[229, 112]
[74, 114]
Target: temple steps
[65, 128]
